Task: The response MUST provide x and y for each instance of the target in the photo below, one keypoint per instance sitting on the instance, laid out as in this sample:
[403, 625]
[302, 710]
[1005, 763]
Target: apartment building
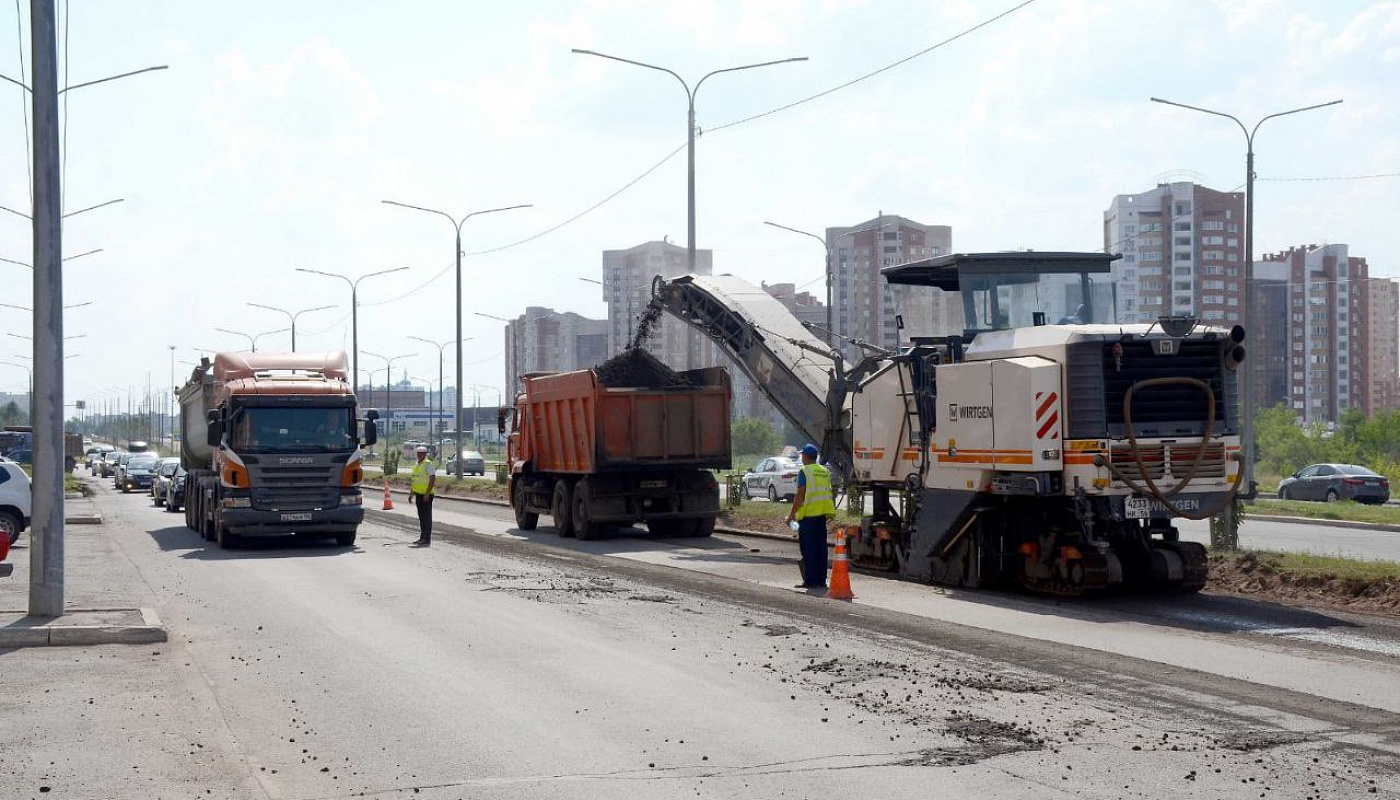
[868, 308]
[545, 340]
[1182, 250]
[1327, 347]
[1382, 391]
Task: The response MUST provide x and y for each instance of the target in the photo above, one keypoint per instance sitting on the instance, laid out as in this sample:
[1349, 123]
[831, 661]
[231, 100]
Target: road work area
[503, 664]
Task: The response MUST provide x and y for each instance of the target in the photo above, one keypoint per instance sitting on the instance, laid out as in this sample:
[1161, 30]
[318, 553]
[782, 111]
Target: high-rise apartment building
[545, 340]
[1327, 354]
[627, 278]
[1266, 342]
[1182, 251]
[869, 308]
[1382, 348]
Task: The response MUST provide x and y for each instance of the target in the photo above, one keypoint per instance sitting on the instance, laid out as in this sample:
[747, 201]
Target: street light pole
[457, 227]
[690, 94]
[46, 561]
[354, 315]
[441, 346]
[388, 385]
[830, 268]
[1248, 422]
[251, 337]
[291, 317]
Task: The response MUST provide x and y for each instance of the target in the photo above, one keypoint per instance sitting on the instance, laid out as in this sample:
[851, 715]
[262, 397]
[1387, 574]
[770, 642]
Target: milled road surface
[496, 665]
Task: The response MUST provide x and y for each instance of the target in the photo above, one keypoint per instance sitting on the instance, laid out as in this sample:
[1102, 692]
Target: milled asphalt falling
[490, 668]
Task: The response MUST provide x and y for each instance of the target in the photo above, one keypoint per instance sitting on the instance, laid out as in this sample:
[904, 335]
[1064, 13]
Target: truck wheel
[345, 539]
[222, 536]
[705, 526]
[584, 527]
[562, 509]
[524, 520]
[669, 528]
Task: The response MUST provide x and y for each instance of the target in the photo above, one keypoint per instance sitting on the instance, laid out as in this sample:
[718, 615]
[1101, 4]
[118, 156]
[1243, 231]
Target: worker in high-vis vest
[421, 483]
[812, 507]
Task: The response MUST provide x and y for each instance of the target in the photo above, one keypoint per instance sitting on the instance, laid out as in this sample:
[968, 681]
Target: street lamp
[690, 132]
[354, 314]
[457, 227]
[388, 385]
[292, 315]
[1249, 133]
[251, 337]
[830, 268]
[442, 347]
[27, 308]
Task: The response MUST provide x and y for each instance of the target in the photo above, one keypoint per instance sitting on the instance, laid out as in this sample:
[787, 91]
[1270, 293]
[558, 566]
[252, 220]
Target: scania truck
[271, 447]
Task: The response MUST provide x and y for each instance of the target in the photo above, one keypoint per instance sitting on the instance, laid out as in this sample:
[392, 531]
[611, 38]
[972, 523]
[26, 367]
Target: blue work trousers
[811, 540]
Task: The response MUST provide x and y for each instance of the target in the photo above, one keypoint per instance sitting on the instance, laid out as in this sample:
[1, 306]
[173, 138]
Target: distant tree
[12, 414]
[751, 436]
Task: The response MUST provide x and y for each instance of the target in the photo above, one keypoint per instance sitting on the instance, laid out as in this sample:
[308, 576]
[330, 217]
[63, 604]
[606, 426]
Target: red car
[5, 568]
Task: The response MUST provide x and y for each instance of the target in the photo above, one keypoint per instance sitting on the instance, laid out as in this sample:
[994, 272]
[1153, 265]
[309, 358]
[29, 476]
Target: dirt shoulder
[1368, 587]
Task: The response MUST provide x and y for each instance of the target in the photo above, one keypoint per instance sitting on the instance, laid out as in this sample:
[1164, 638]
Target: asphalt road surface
[509, 665]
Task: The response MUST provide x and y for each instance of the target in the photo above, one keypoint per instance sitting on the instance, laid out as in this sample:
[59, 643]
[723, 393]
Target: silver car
[472, 464]
[774, 478]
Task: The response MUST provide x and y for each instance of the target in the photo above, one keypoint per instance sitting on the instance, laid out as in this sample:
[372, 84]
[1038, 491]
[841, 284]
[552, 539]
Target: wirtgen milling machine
[1046, 447]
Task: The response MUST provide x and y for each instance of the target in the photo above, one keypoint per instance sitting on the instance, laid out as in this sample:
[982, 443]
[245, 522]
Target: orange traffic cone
[388, 501]
[840, 571]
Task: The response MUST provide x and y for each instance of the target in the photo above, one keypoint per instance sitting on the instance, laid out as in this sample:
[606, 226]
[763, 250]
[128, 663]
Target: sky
[279, 127]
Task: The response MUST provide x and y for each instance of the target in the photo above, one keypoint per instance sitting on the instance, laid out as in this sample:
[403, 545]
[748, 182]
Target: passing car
[160, 478]
[136, 472]
[175, 490]
[15, 501]
[107, 467]
[94, 456]
[1332, 482]
[774, 478]
[117, 467]
[472, 464]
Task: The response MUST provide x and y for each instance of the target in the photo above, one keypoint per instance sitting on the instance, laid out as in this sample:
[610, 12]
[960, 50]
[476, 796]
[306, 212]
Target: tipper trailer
[1046, 446]
[271, 446]
[594, 456]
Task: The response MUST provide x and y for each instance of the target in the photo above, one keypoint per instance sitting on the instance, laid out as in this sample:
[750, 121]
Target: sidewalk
[102, 591]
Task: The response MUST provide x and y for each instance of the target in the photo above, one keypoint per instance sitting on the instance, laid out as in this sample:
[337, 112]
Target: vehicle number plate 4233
[296, 517]
[1133, 508]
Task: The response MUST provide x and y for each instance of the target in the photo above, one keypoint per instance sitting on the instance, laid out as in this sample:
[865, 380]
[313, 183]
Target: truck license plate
[296, 517]
[1137, 508]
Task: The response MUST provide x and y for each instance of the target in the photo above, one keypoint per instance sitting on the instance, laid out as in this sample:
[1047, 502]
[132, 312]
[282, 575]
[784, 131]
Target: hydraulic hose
[1152, 488]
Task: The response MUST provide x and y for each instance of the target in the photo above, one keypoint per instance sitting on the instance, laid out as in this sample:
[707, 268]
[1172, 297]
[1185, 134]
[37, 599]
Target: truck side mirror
[371, 432]
[501, 415]
[215, 431]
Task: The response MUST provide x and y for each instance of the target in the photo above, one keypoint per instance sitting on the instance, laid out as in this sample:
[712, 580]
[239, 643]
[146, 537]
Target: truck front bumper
[256, 522]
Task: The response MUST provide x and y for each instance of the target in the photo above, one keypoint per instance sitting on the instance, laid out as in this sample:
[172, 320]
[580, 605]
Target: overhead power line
[1336, 177]
[654, 167]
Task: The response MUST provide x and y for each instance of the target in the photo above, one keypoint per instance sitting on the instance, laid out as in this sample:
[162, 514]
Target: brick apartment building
[866, 306]
[1182, 252]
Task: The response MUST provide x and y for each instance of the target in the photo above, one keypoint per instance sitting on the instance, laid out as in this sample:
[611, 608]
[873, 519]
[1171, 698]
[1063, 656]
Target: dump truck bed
[577, 425]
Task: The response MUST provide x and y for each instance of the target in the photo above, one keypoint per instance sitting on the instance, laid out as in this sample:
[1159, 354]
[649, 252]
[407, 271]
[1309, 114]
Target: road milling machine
[1046, 447]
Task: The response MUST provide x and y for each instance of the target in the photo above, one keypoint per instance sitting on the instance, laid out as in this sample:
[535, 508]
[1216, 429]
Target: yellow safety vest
[420, 477]
[816, 496]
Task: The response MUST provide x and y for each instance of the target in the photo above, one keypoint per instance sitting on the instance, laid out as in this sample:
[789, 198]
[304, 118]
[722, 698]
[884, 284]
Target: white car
[15, 500]
[773, 478]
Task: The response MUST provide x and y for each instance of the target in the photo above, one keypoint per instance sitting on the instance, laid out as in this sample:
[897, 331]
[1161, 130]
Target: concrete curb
[1328, 523]
[83, 519]
[148, 632]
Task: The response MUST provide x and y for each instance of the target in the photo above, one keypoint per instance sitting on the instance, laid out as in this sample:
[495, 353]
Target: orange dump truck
[594, 456]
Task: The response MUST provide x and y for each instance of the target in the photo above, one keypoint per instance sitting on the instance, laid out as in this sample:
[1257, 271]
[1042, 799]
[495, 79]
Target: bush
[750, 435]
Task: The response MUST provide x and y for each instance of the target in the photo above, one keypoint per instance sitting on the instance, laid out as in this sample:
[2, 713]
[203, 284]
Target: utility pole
[46, 561]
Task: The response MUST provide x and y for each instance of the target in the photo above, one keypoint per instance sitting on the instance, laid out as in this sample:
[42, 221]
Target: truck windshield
[1000, 300]
[256, 429]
